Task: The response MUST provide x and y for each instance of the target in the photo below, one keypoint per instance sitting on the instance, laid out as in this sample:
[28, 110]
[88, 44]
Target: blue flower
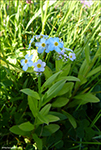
[41, 45]
[72, 56]
[54, 44]
[39, 66]
[27, 62]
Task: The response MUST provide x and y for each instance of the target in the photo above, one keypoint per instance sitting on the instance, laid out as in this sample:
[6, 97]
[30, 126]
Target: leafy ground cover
[60, 108]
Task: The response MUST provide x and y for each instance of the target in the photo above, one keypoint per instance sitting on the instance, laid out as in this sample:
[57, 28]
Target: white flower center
[39, 65]
[43, 44]
[71, 56]
[56, 43]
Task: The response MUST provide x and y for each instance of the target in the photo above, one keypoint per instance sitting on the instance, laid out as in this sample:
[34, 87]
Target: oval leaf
[42, 119]
[53, 90]
[44, 111]
[33, 103]
[52, 118]
[66, 88]
[16, 130]
[86, 98]
[49, 81]
[70, 118]
[30, 93]
[26, 126]
[60, 102]
[70, 78]
[50, 129]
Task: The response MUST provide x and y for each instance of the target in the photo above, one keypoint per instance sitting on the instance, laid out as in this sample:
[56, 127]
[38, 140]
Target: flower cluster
[44, 43]
[67, 53]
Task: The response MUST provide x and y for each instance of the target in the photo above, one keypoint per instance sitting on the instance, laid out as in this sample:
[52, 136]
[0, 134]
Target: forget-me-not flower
[72, 56]
[39, 66]
[54, 44]
[41, 45]
[27, 62]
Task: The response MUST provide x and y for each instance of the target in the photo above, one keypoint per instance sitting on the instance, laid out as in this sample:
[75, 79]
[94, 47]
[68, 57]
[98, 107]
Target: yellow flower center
[38, 65]
[41, 36]
[26, 60]
[43, 44]
[71, 56]
[56, 43]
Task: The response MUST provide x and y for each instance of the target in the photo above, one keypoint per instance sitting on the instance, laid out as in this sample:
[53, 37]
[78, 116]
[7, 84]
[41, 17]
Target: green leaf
[70, 118]
[90, 133]
[81, 73]
[52, 118]
[49, 81]
[50, 129]
[70, 78]
[47, 72]
[94, 71]
[38, 141]
[60, 115]
[31, 93]
[65, 71]
[86, 98]
[26, 126]
[58, 64]
[80, 132]
[42, 119]
[16, 130]
[87, 49]
[60, 102]
[53, 90]
[82, 99]
[66, 88]
[44, 111]
[33, 105]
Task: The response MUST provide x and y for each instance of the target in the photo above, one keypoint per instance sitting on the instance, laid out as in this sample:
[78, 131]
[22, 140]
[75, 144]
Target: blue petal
[30, 63]
[25, 67]
[57, 49]
[56, 39]
[29, 58]
[40, 50]
[43, 40]
[47, 50]
[37, 44]
[22, 62]
[60, 44]
[51, 47]
[26, 56]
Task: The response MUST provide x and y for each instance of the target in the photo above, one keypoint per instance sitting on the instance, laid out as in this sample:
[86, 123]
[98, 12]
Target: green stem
[39, 85]
[39, 90]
